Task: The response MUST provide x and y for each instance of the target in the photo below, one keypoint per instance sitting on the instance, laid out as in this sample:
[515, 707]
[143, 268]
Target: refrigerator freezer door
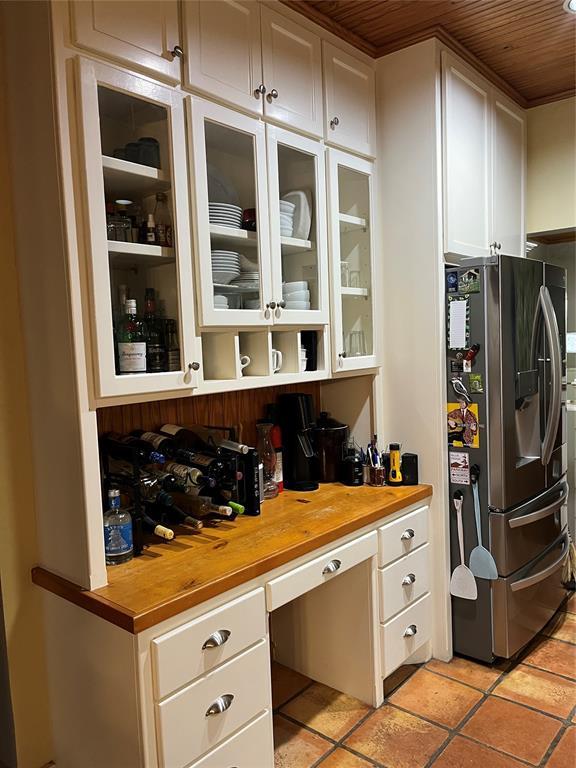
[553, 401]
[523, 603]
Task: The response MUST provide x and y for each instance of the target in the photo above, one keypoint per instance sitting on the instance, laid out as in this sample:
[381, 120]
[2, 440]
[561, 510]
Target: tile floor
[456, 715]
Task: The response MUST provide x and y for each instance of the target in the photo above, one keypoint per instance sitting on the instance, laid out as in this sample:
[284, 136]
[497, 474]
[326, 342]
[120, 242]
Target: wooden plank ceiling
[528, 44]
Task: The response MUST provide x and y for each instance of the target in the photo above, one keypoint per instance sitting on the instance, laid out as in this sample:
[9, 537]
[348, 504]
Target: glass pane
[298, 228]
[144, 300]
[231, 169]
[355, 263]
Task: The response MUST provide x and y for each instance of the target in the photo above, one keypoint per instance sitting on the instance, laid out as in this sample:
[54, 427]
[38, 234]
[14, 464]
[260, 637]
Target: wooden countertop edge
[137, 622]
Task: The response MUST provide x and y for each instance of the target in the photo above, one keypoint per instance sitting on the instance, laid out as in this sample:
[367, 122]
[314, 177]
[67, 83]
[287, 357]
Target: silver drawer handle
[332, 567]
[217, 638]
[411, 630]
[221, 704]
[408, 534]
[408, 580]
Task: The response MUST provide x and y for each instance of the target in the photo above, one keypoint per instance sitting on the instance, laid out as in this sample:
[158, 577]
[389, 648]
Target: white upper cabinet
[143, 34]
[349, 109]
[484, 147]
[466, 107]
[291, 59]
[508, 176]
[223, 52]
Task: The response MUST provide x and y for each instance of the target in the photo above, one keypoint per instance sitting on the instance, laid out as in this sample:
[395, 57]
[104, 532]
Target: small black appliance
[297, 422]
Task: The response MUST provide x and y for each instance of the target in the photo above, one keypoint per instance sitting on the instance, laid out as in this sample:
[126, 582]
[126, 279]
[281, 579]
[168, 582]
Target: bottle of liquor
[130, 449]
[155, 349]
[131, 341]
[172, 346]
[276, 438]
[118, 544]
[163, 221]
[151, 230]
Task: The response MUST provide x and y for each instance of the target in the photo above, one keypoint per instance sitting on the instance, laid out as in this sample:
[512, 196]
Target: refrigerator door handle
[541, 575]
[519, 522]
[554, 412]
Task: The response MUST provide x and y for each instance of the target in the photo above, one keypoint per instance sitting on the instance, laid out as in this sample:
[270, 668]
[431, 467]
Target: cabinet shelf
[349, 223]
[231, 236]
[132, 180]
[138, 254]
[291, 245]
[354, 291]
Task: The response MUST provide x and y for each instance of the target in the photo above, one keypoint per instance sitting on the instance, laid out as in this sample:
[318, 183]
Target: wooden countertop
[170, 578]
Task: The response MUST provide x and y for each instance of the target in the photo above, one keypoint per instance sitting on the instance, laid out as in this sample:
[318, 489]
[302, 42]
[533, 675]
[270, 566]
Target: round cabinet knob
[411, 630]
[332, 567]
[282, 304]
[408, 580]
[334, 122]
[177, 52]
[194, 366]
[341, 356]
[221, 704]
[407, 535]
[272, 95]
[217, 639]
[260, 91]
[272, 305]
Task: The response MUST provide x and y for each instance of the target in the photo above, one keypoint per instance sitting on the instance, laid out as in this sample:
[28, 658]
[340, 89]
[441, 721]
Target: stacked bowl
[225, 266]
[286, 218]
[225, 215]
[249, 275]
[220, 301]
[296, 295]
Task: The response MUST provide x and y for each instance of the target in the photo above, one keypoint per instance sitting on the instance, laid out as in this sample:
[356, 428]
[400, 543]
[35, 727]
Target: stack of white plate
[296, 295]
[251, 303]
[225, 266]
[225, 215]
[286, 218]
[220, 302]
[249, 280]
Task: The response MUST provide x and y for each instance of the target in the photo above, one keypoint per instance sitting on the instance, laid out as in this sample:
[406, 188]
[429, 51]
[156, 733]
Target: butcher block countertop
[169, 578]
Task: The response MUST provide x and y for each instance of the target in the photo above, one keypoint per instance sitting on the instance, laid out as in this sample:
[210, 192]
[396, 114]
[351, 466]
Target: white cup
[276, 360]
[303, 362]
[244, 361]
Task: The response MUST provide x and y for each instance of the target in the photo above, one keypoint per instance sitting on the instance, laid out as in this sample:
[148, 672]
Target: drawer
[300, 580]
[403, 582]
[184, 654]
[402, 536]
[252, 747]
[186, 730]
[398, 638]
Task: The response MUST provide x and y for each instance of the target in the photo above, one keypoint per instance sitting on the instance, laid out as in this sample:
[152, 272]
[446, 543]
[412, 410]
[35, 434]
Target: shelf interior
[349, 223]
[132, 180]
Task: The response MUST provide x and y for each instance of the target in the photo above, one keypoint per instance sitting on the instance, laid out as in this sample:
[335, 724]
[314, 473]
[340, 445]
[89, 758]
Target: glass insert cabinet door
[352, 251]
[232, 237]
[138, 245]
[298, 234]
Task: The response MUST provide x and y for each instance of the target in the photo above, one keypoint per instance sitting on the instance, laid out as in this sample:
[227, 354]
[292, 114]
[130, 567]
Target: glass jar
[268, 457]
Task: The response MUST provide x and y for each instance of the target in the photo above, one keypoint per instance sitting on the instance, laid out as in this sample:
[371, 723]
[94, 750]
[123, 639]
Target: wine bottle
[203, 438]
[151, 526]
[130, 448]
[174, 514]
[131, 341]
[203, 506]
[168, 447]
[156, 360]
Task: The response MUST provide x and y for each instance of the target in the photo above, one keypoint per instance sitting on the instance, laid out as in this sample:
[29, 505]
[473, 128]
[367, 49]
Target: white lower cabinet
[251, 747]
[402, 636]
[403, 582]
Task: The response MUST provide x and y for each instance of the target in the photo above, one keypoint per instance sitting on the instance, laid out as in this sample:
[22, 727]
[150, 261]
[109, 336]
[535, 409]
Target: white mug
[276, 360]
[244, 361]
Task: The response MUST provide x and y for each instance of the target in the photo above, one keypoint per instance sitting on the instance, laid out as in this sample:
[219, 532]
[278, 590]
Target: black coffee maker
[297, 422]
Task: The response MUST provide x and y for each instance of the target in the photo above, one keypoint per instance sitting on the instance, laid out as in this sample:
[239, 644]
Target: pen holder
[377, 475]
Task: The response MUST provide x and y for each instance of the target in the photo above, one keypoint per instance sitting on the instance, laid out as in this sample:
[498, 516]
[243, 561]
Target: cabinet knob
[332, 567]
[341, 356]
[217, 638]
[272, 305]
[221, 704]
[260, 91]
[282, 304]
[494, 248]
[272, 95]
[194, 366]
[411, 630]
[177, 52]
[334, 122]
[409, 579]
[408, 534]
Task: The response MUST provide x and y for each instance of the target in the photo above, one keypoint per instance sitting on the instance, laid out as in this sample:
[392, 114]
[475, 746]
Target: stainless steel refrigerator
[506, 429]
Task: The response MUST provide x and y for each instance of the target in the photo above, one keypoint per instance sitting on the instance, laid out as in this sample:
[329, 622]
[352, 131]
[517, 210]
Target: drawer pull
[221, 704]
[408, 534]
[409, 579]
[217, 638]
[411, 630]
[332, 567]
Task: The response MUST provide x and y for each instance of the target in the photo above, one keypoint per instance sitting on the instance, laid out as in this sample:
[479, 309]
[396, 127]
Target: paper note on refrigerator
[457, 323]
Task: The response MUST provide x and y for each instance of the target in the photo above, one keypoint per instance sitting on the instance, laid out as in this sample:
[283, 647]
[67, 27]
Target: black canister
[330, 437]
[352, 470]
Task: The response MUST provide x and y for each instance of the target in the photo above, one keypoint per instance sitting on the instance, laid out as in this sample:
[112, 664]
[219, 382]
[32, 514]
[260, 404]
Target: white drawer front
[402, 536]
[252, 747]
[180, 656]
[403, 582]
[398, 640]
[185, 730]
[294, 583]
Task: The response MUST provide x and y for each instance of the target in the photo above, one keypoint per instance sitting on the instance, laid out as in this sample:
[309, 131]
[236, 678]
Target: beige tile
[463, 753]
[295, 747]
[563, 627]
[477, 675]
[286, 683]
[325, 710]
[564, 754]
[541, 690]
[397, 739]
[513, 729]
[553, 656]
[438, 698]
[341, 758]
